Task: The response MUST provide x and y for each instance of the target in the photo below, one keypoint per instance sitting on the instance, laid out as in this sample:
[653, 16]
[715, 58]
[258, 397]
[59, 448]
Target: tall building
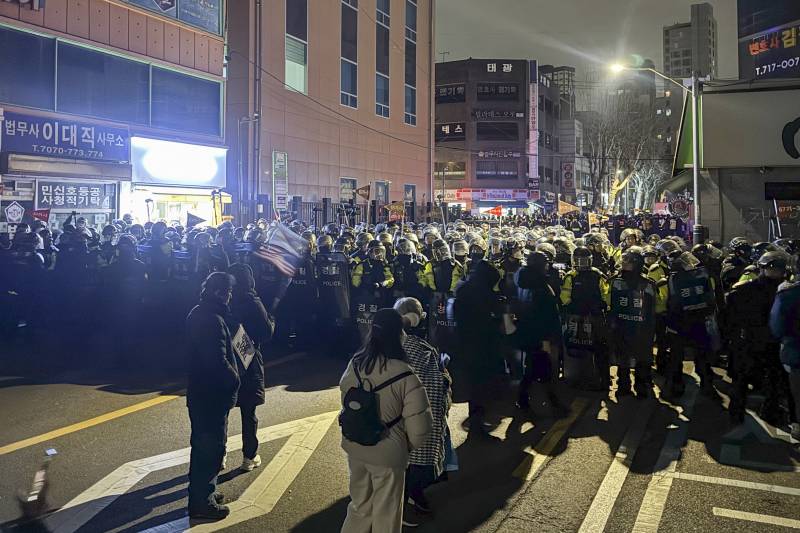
[497, 134]
[564, 77]
[327, 96]
[692, 46]
[768, 39]
[111, 107]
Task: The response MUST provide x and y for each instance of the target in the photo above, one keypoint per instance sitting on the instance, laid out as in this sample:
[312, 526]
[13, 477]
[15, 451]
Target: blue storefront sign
[64, 138]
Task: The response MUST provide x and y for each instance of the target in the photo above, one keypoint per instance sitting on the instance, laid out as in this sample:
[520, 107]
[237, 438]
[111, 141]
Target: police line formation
[475, 299]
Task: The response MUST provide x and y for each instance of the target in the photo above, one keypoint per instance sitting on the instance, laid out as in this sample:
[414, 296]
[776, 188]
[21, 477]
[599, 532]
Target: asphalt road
[616, 466]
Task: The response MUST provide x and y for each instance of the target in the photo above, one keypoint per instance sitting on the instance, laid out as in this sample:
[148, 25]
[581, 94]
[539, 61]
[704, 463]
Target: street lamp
[698, 231]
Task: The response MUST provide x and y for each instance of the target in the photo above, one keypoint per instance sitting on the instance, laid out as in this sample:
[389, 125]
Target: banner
[397, 211]
[41, 214]
[364, 192]
[564, 207]
[280, 179]
[193, 220]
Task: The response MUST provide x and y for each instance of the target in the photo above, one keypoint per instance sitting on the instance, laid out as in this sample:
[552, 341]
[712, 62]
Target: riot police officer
[442, 278]
[632, 307]
[362, 241]
[372, 281]
[333, 286]
[410, 273]
[734, 264]
[584, 292]
[690, 319]
[757, 360]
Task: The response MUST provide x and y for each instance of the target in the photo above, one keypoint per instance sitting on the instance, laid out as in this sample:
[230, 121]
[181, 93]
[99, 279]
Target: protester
[210, 395]
[426, 464]
[377, 469]
[248, 311]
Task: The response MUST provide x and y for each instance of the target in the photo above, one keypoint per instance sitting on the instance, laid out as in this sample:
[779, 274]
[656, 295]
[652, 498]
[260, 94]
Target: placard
[243, 347]
[280, 177]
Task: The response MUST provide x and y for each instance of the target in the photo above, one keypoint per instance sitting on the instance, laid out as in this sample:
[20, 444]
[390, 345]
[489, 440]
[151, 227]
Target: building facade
[328, 96]
[692, 46]
[110, 108]
[497, 134]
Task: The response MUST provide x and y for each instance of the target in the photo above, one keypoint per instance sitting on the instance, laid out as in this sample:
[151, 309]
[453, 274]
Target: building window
[410, 115]
[381, 95]
[349, 60]
[497, 131]
[102, 85]
[382, 59]
[185, 103]
[296, 44]
[27, 69]
[450, 170]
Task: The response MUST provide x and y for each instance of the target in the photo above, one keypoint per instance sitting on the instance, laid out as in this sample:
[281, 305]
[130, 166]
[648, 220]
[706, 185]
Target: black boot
[623, 382]
[644, 383]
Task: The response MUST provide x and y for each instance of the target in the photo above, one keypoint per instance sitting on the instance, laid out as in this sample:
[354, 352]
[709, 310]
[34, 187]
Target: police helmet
[385, 238]
[777, 259]
[109, 230]
[630, 233]
[411, 236]
[309, 236]
[341, 244]
[376, 250]
[478, 243]
[683, 261]
[582, 258]
[633, 259]
[202, 239]
[406, 247]
[253, 235]
[547, 249]
[496, 244]
[653, 238]
[440, 250]
[363, 239]
[650, 255]
[325, 242]
[760, 248]
[666, 247]
[460, 248]
[790, 246]
[331, 229]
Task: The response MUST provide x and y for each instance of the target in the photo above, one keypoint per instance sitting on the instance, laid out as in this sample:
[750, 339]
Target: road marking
[600, 510]
[60, 432]
[536, 461]
[652, 508]
[304, 436]
[791, 491]
[755, 517]
[44, 437]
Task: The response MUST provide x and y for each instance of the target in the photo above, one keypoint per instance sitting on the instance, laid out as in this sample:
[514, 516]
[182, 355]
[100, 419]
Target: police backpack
[360, 418]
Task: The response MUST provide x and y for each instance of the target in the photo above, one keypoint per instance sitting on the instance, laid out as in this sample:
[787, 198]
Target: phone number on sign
[783, 65]
[60, 150]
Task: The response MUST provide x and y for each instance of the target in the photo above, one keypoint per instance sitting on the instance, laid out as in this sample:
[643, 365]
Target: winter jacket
[213, 375]
[784, 321]
[404, 397]
[248, 310]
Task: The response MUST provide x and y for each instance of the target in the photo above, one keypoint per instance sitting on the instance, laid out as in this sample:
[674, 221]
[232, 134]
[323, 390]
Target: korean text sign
[64, 138]
[70, 195]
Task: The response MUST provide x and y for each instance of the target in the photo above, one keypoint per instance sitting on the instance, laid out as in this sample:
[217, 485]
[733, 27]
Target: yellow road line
[66, 430]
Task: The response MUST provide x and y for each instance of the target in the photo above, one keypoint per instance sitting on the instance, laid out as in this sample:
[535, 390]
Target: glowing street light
[698, 230]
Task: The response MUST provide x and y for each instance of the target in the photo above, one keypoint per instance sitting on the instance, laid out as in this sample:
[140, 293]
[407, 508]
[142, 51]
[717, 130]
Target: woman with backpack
[385, 414]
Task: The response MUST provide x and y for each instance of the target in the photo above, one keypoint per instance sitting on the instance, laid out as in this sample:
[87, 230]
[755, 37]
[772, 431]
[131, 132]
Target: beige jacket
[407, 397]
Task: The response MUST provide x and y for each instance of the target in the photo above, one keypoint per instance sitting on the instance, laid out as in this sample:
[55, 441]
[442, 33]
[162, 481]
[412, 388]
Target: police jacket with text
[690, 300]
[333, 284]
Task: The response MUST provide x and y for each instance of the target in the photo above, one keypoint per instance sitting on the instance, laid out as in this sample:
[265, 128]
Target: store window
[185, 103]
[27, 73]
[101, 85]
[349, 51]
[410, 115]
[506, 169]
[498, 131]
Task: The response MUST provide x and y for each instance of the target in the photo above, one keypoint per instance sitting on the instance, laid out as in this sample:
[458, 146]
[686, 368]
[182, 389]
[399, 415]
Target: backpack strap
[394, 422]
[395, 379]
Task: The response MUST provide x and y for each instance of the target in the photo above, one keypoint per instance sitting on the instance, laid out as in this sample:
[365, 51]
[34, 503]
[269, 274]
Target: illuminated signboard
[451, 94]
[774, 53]
[451, 131]
[158, 162]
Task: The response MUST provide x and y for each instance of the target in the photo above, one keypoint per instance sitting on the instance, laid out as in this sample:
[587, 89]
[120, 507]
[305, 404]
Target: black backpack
[360, 417]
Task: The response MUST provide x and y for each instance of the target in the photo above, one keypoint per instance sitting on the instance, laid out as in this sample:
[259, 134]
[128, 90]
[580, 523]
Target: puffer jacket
[406, 397]
[784, 321]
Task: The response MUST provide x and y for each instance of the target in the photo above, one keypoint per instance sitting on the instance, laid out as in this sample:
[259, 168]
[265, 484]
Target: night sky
[586, 34]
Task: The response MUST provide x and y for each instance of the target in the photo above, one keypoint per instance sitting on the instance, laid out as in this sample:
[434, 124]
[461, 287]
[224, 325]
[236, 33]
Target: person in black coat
[249, 312]
[478, 315]
[211, 393]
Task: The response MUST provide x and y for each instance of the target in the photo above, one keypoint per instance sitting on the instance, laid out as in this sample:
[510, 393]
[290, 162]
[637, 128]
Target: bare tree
[647, 181]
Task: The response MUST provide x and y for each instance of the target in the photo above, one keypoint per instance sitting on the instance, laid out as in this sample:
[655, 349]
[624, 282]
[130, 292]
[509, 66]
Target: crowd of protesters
[433, 307]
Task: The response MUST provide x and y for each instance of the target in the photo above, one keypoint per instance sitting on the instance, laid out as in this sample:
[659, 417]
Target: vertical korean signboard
[533, 132]
[280, 179]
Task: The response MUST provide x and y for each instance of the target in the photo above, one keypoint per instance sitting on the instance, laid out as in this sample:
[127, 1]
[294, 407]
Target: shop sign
[158, 162]
[382, 192]
[498, 91]
[65, 138]
[771, 54]
[496, 114]
[73, 195]
[566, 172]
[549, 197]
[14, 213]
[534, 195]
[347, 188]
[280, 179]
[498, 154]
[533, 127]
[485, 194]
[450, 131]
[451, 93]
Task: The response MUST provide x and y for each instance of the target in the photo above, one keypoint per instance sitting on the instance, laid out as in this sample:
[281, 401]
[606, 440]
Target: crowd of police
[539, 303]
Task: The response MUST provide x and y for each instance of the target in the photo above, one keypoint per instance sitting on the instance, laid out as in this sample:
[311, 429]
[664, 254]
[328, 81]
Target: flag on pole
[496, 211]
[193, 220]
[397, 211]
[284, 248]
[564, 208]
[363, 192]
